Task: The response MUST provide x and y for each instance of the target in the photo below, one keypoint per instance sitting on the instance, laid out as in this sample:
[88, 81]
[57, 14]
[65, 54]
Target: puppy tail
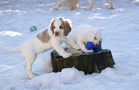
[10, 50]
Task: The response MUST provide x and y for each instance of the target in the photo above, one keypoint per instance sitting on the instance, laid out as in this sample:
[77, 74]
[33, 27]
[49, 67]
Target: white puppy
[110, 6]
[83, 34]
[68, 4]
[49, 38]
[73, 4]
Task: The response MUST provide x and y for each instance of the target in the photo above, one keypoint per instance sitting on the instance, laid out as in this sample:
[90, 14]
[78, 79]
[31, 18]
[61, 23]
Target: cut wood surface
[87, 62]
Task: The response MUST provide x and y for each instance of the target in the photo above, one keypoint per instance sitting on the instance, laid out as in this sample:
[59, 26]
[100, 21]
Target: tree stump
[87, 62]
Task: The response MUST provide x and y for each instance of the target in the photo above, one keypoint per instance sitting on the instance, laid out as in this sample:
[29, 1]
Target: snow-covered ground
[119, 28]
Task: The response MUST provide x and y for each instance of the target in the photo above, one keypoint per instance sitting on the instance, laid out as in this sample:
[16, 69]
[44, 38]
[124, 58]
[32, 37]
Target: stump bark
[87, 62]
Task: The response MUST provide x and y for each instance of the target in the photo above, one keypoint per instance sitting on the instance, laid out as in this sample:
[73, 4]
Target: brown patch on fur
[44, 36]
[52, 27]
[67, 28]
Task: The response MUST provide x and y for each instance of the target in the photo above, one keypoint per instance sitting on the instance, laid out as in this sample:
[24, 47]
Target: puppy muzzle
[57, 34]
[96, 45]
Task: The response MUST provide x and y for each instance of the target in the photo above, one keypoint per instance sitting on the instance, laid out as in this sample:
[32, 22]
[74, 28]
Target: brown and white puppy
[73, 4]
[83, 34]
[49, 38]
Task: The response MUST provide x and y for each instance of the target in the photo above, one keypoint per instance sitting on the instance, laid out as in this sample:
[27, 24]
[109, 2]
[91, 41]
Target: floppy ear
[100, 39]
[68, 27]
[52, 26]
[100, 42]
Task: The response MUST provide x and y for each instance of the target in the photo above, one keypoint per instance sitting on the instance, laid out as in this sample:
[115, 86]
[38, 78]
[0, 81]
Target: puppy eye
[61, 27]
[53, 27]
[95, 38]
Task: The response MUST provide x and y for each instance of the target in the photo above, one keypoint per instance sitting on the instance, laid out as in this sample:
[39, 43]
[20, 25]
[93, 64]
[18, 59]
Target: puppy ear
[52, 25]
[100, 42]
[68, 27]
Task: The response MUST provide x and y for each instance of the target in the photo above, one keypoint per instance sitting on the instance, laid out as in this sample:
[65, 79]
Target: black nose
[56, 33]
[95, 45]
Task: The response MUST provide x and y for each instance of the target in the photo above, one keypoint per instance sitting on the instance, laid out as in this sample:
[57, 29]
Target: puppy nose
[56, 33]
[95, 45]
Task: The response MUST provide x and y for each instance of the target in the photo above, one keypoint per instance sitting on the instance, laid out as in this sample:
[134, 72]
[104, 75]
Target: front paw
[66, 55]
[87, 9]
[55, 8]
[110, 7]
[88, 51]
[32, 76]
[76, 47]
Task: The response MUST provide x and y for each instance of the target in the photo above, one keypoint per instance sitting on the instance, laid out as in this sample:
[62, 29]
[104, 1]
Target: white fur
[73, 4]
[34, 46]
[110, 6]
[68, 4]
[84, 33]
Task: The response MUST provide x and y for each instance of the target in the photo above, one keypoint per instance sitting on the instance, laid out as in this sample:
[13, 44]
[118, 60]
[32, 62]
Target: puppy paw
[110, 7]
[87, 9]
[76, 47]
[55, 8]
[32, 76]
[88, 51]
[66, 55]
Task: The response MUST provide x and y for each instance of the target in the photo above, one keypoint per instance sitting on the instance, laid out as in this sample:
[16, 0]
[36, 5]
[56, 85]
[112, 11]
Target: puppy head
[60, 27]
[93, 36]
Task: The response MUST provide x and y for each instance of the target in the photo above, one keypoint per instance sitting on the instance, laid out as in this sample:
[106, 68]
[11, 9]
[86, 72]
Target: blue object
[90, 46]
[33, 28]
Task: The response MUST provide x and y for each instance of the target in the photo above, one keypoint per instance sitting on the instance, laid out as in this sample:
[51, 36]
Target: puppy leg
[71, 50]
[69, 7]
[110, 6]
[68, 46]
[74, 6]
[91, 5]
[58, 5]
[82, 46]
[71, 43]
[61, 51]
[30, 58]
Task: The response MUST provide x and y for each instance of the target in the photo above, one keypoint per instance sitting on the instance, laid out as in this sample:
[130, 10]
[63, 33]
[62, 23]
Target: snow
[120, 32]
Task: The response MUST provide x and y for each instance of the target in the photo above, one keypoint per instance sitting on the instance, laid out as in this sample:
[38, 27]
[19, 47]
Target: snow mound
[71, 75]
[45, 81]
[10, 33]
[53, 80]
